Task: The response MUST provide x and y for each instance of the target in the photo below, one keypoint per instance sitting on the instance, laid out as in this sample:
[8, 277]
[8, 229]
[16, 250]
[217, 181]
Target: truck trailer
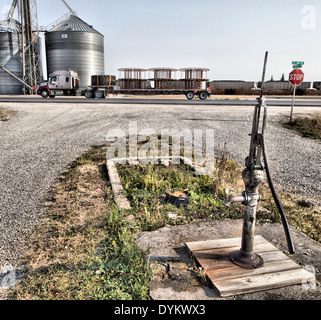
[66, 83]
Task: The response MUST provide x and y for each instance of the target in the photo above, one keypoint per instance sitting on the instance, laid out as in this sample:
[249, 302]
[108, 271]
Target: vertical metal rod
[262, 88]
[264, 72]
[292, 108]
[23, 51]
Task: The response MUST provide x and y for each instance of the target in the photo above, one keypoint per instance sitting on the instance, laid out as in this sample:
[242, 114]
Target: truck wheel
[190, 95]
[99, 94]
[45, 94]
[203, 95]
[89, 94]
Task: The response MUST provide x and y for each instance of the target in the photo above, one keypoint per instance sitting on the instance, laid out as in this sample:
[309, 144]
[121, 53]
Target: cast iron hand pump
[253, 176]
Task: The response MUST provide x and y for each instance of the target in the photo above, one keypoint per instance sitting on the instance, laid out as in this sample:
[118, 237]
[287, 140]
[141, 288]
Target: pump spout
[239, 198]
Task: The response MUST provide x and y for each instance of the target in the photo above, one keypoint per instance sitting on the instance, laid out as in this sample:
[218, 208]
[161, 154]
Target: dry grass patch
[77, 208]
[6, 114]
[62, 257]
[309, 126]
[82, 249]
[301, 213]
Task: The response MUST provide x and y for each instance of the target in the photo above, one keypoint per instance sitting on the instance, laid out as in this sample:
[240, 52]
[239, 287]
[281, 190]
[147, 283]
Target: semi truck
[60, 83]
[66, 83]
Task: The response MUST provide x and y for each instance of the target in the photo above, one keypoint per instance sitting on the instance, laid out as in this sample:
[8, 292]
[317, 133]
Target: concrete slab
[175, 275]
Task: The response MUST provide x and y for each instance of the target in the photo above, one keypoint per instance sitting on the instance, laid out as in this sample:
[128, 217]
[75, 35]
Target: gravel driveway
[41, 140]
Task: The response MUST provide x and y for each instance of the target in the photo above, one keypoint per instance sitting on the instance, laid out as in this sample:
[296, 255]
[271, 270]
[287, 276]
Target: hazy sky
[229, 37]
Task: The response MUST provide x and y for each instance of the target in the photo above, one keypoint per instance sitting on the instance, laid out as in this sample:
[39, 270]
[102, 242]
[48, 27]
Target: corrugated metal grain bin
[75, 45]
[10, 57]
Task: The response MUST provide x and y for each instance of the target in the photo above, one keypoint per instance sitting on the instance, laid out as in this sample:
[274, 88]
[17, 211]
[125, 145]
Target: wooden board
[229, 279]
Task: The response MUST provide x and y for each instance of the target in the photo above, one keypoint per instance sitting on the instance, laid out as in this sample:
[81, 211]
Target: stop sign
[296, 77]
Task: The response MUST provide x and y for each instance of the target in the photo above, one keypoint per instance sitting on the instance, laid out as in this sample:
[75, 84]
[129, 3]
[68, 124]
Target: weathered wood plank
[212, 263]
[259, 248]
[217, 258]
[249, 284]
[228, 279]
[219, 243]
[236, 272]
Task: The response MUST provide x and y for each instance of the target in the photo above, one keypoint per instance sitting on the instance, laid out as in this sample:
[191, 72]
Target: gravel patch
[42, 139]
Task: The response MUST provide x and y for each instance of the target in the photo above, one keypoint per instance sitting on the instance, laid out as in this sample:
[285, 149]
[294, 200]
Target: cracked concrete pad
[176, 278]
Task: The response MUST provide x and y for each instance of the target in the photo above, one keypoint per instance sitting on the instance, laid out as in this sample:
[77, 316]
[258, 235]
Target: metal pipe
[23, 51]
[12, 9]
[239, 198]
[14, 76]
[264, 72]
[66, 4]
[245, 257]
[292, 106]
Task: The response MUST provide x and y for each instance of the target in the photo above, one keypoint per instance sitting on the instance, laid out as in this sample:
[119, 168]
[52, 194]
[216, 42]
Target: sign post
[292, 107]
[296, 77]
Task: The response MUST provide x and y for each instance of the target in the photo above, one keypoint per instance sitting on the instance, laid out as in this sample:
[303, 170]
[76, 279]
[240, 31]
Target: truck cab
[60, 83]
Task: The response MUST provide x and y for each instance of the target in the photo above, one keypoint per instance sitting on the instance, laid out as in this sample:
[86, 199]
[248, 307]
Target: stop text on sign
[296, 77]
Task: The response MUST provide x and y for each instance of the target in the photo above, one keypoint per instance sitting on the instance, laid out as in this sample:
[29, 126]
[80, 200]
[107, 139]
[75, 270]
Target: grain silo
[10, 56]
[75, 45]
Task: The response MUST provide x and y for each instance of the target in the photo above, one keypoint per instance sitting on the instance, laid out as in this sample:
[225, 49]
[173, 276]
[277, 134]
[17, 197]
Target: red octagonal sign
[296, 77]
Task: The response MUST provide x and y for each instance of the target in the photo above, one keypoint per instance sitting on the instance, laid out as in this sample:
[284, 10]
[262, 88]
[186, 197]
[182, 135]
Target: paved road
[41, 140]
[147, 101]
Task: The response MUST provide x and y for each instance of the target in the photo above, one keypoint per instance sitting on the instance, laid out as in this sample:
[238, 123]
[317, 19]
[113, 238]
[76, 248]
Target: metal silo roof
[10, 25]
[74, 23]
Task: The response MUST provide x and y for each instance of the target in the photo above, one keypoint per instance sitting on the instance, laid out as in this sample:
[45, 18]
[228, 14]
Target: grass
[145, 187]
[307, 126]
[86, 249]
[301, 214]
